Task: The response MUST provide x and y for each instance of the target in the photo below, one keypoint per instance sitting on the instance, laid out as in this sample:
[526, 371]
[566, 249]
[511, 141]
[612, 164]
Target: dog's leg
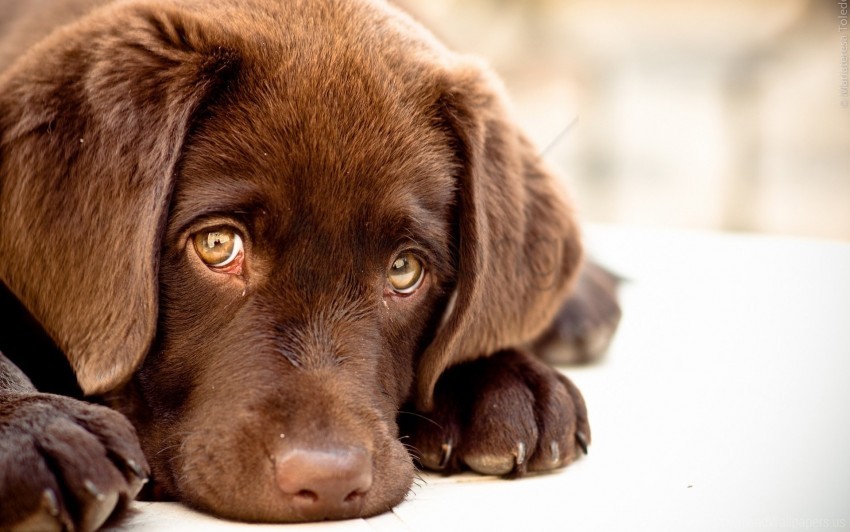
[587, 321]
[64, 464]
[506, 414]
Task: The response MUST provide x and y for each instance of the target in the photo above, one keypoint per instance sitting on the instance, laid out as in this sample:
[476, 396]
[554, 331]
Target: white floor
[724, 403]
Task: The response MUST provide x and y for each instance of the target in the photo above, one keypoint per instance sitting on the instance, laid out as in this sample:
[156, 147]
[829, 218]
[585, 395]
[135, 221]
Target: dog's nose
[326, 483]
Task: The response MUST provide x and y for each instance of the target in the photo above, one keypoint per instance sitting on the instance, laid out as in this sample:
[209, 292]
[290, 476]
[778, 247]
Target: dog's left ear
[519, 245]
[92, 123]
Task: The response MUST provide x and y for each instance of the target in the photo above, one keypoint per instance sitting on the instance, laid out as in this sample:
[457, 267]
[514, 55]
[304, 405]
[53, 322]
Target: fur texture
[331, 135]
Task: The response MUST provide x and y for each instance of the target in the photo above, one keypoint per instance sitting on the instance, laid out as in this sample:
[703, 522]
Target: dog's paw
[64, 464]
[507, 414]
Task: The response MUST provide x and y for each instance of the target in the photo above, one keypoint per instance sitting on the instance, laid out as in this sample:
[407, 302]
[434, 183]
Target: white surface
[724, 403]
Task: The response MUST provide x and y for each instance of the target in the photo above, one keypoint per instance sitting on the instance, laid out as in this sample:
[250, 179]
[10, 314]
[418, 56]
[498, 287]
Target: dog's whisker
[168, 447]
[421, 416]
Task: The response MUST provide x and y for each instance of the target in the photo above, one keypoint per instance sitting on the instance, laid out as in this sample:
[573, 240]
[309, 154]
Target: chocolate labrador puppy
[290, 242]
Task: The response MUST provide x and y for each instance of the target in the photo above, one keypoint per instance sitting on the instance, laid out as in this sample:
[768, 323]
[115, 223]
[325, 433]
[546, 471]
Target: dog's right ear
[92, 122]
[518, 245]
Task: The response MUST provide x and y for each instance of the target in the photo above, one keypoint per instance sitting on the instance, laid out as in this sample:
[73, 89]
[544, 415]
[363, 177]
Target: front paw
[64, 464]
[506, 414]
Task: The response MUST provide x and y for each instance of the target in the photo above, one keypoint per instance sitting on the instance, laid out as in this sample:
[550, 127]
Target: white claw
[555, 450]
[446, 455]
[520, 453]
[48, 499]
[93, 491]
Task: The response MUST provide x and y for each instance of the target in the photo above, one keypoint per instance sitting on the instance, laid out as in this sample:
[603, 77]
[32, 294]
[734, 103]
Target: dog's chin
[206, 474]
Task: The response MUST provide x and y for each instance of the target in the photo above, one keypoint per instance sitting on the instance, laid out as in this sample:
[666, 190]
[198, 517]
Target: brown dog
[263, 231]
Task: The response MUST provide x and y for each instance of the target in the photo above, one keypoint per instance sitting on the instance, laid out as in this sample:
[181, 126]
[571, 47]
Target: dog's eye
[218, 248]
[406, 273]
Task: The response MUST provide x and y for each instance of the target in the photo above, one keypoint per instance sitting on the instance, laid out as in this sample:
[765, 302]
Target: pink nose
[325, 483]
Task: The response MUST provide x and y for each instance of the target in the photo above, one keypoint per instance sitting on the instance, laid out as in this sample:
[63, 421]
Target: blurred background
[723, 114]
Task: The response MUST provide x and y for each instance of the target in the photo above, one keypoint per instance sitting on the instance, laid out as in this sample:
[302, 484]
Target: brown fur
[331, 134]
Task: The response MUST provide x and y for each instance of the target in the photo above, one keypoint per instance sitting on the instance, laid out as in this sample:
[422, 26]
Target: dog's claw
[555, 451]
[136, 469]
[446, 455]
[47, 518]
[136, 478]
[520, 453]
[94, 491]
[581, 439]
[49, 502]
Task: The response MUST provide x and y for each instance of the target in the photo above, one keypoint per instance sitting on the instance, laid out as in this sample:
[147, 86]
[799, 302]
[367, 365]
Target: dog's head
[263, 231]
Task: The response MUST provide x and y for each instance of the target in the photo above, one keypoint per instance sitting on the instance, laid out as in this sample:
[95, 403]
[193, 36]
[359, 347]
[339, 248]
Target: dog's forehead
[334, 130]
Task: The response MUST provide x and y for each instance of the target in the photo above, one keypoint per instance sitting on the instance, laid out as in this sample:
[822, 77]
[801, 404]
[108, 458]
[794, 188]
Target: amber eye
[219, 247]
[406, 273]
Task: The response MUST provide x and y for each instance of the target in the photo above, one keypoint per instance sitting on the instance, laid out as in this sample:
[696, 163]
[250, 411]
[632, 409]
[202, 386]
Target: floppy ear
[518, 246]
[92, 121]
